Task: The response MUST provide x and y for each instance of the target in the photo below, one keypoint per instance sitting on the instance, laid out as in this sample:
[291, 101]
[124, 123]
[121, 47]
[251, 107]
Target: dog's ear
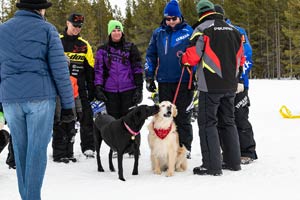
[174, 110]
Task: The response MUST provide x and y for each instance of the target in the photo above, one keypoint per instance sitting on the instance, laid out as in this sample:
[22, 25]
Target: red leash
[179, 83]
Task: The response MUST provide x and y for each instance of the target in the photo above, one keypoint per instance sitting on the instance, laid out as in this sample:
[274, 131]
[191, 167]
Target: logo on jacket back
[223, 28]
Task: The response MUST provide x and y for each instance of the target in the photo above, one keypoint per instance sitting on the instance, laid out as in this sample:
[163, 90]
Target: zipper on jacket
[166, 45]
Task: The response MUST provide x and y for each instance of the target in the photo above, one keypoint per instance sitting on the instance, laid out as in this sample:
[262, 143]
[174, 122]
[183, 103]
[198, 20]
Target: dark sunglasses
[171, 18]
[77, 26]
[78, 18]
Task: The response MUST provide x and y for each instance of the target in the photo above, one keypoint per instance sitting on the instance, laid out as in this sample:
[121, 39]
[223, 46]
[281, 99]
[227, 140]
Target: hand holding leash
[150, 85]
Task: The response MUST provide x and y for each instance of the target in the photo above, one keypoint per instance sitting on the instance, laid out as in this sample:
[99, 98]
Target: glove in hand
[137, 97]
[68, 115]
[100, 96]
[150, 85]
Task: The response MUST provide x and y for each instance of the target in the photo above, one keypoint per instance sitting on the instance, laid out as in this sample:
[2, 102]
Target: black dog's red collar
[162, 133]
[131, 131]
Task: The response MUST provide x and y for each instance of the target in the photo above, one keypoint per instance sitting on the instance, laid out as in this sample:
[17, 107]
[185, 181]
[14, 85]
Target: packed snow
[275, 175]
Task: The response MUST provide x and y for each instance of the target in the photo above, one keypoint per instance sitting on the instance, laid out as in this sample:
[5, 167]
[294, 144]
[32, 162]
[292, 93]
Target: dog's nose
[169, 111]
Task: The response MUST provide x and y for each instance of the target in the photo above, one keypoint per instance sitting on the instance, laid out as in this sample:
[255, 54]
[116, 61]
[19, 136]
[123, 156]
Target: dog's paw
[135, 173]
[122, 178]
[170, 173]
[157, 171]
[100, 169]
[179, 169]
[112, 169]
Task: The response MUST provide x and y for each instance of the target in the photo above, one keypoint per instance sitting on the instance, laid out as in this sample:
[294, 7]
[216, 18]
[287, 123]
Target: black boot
[231, 168]
[204, 171]
[10, 161]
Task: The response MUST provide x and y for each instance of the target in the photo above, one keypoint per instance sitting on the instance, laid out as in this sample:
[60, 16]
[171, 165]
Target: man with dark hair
[81, 67]
[216, 49]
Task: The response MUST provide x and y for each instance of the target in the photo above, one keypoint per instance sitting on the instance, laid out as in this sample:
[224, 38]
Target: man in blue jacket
[162, 60]
[242, 101]
[34, 71]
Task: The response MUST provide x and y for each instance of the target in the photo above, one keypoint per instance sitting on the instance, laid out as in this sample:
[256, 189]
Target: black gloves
[99, 93]
[137, 97]
[68, 115]
[150, 85]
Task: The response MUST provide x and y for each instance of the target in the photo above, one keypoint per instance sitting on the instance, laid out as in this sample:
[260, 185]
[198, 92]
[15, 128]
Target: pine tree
[292, 32]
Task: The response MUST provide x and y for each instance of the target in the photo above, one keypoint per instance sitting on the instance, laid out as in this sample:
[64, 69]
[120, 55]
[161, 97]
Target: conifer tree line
[272, 26]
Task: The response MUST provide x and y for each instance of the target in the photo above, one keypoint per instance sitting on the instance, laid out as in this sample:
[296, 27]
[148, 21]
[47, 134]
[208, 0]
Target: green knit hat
[204, 6]
[114, 24]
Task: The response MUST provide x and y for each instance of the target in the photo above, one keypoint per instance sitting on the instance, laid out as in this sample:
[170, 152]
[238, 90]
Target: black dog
[122, 135]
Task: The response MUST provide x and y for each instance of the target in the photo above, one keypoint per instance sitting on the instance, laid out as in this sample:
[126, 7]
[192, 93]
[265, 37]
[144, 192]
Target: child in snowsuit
[64, 131]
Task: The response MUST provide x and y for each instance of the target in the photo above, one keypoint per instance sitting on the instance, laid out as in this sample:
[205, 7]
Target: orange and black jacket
[216, 48]
[81, 65]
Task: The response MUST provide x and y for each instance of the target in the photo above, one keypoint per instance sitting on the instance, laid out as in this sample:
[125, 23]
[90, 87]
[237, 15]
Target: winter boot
[10, 161]
[246, 160]
[204, 171]
[89, 153]
[61, 160]
[231, 168]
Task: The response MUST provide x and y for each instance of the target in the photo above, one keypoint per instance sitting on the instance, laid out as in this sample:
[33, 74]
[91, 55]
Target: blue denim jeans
[30, 124]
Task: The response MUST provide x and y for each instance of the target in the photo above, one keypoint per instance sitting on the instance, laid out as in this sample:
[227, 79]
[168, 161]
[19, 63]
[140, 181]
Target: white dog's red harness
[162, 133]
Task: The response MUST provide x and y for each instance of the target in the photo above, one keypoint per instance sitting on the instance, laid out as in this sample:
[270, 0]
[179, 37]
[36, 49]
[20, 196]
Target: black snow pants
[118, 104]
[86, 126]
[216, 128]
[63, 140]
[244, 127]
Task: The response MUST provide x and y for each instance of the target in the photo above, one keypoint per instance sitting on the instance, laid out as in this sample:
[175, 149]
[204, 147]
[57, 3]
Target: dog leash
[179, 83]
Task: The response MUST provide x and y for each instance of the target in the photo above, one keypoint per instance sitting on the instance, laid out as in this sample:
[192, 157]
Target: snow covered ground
[275, 175]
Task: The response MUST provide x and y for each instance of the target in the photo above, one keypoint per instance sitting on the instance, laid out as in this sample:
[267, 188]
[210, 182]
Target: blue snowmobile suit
[164, 43]
[248, 55]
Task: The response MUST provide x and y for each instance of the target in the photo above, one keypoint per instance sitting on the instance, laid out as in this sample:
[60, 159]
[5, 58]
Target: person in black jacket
[81, 67]
[242, 100]
[216, 47]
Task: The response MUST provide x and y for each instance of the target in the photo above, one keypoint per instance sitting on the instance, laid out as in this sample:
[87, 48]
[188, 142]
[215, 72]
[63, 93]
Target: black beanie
[219, 9]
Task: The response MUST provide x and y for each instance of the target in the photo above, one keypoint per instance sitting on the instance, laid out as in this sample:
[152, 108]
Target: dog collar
[131, 131]
[162, 133]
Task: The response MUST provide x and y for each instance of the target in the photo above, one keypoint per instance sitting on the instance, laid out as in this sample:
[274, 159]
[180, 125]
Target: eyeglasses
[77, 26]
[171, 18]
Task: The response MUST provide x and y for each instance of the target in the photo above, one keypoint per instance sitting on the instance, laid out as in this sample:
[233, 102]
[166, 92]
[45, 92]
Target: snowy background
[120, 3]
[275, 175]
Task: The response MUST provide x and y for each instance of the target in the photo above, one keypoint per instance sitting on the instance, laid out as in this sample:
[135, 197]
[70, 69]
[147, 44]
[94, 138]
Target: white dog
[166, 153]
